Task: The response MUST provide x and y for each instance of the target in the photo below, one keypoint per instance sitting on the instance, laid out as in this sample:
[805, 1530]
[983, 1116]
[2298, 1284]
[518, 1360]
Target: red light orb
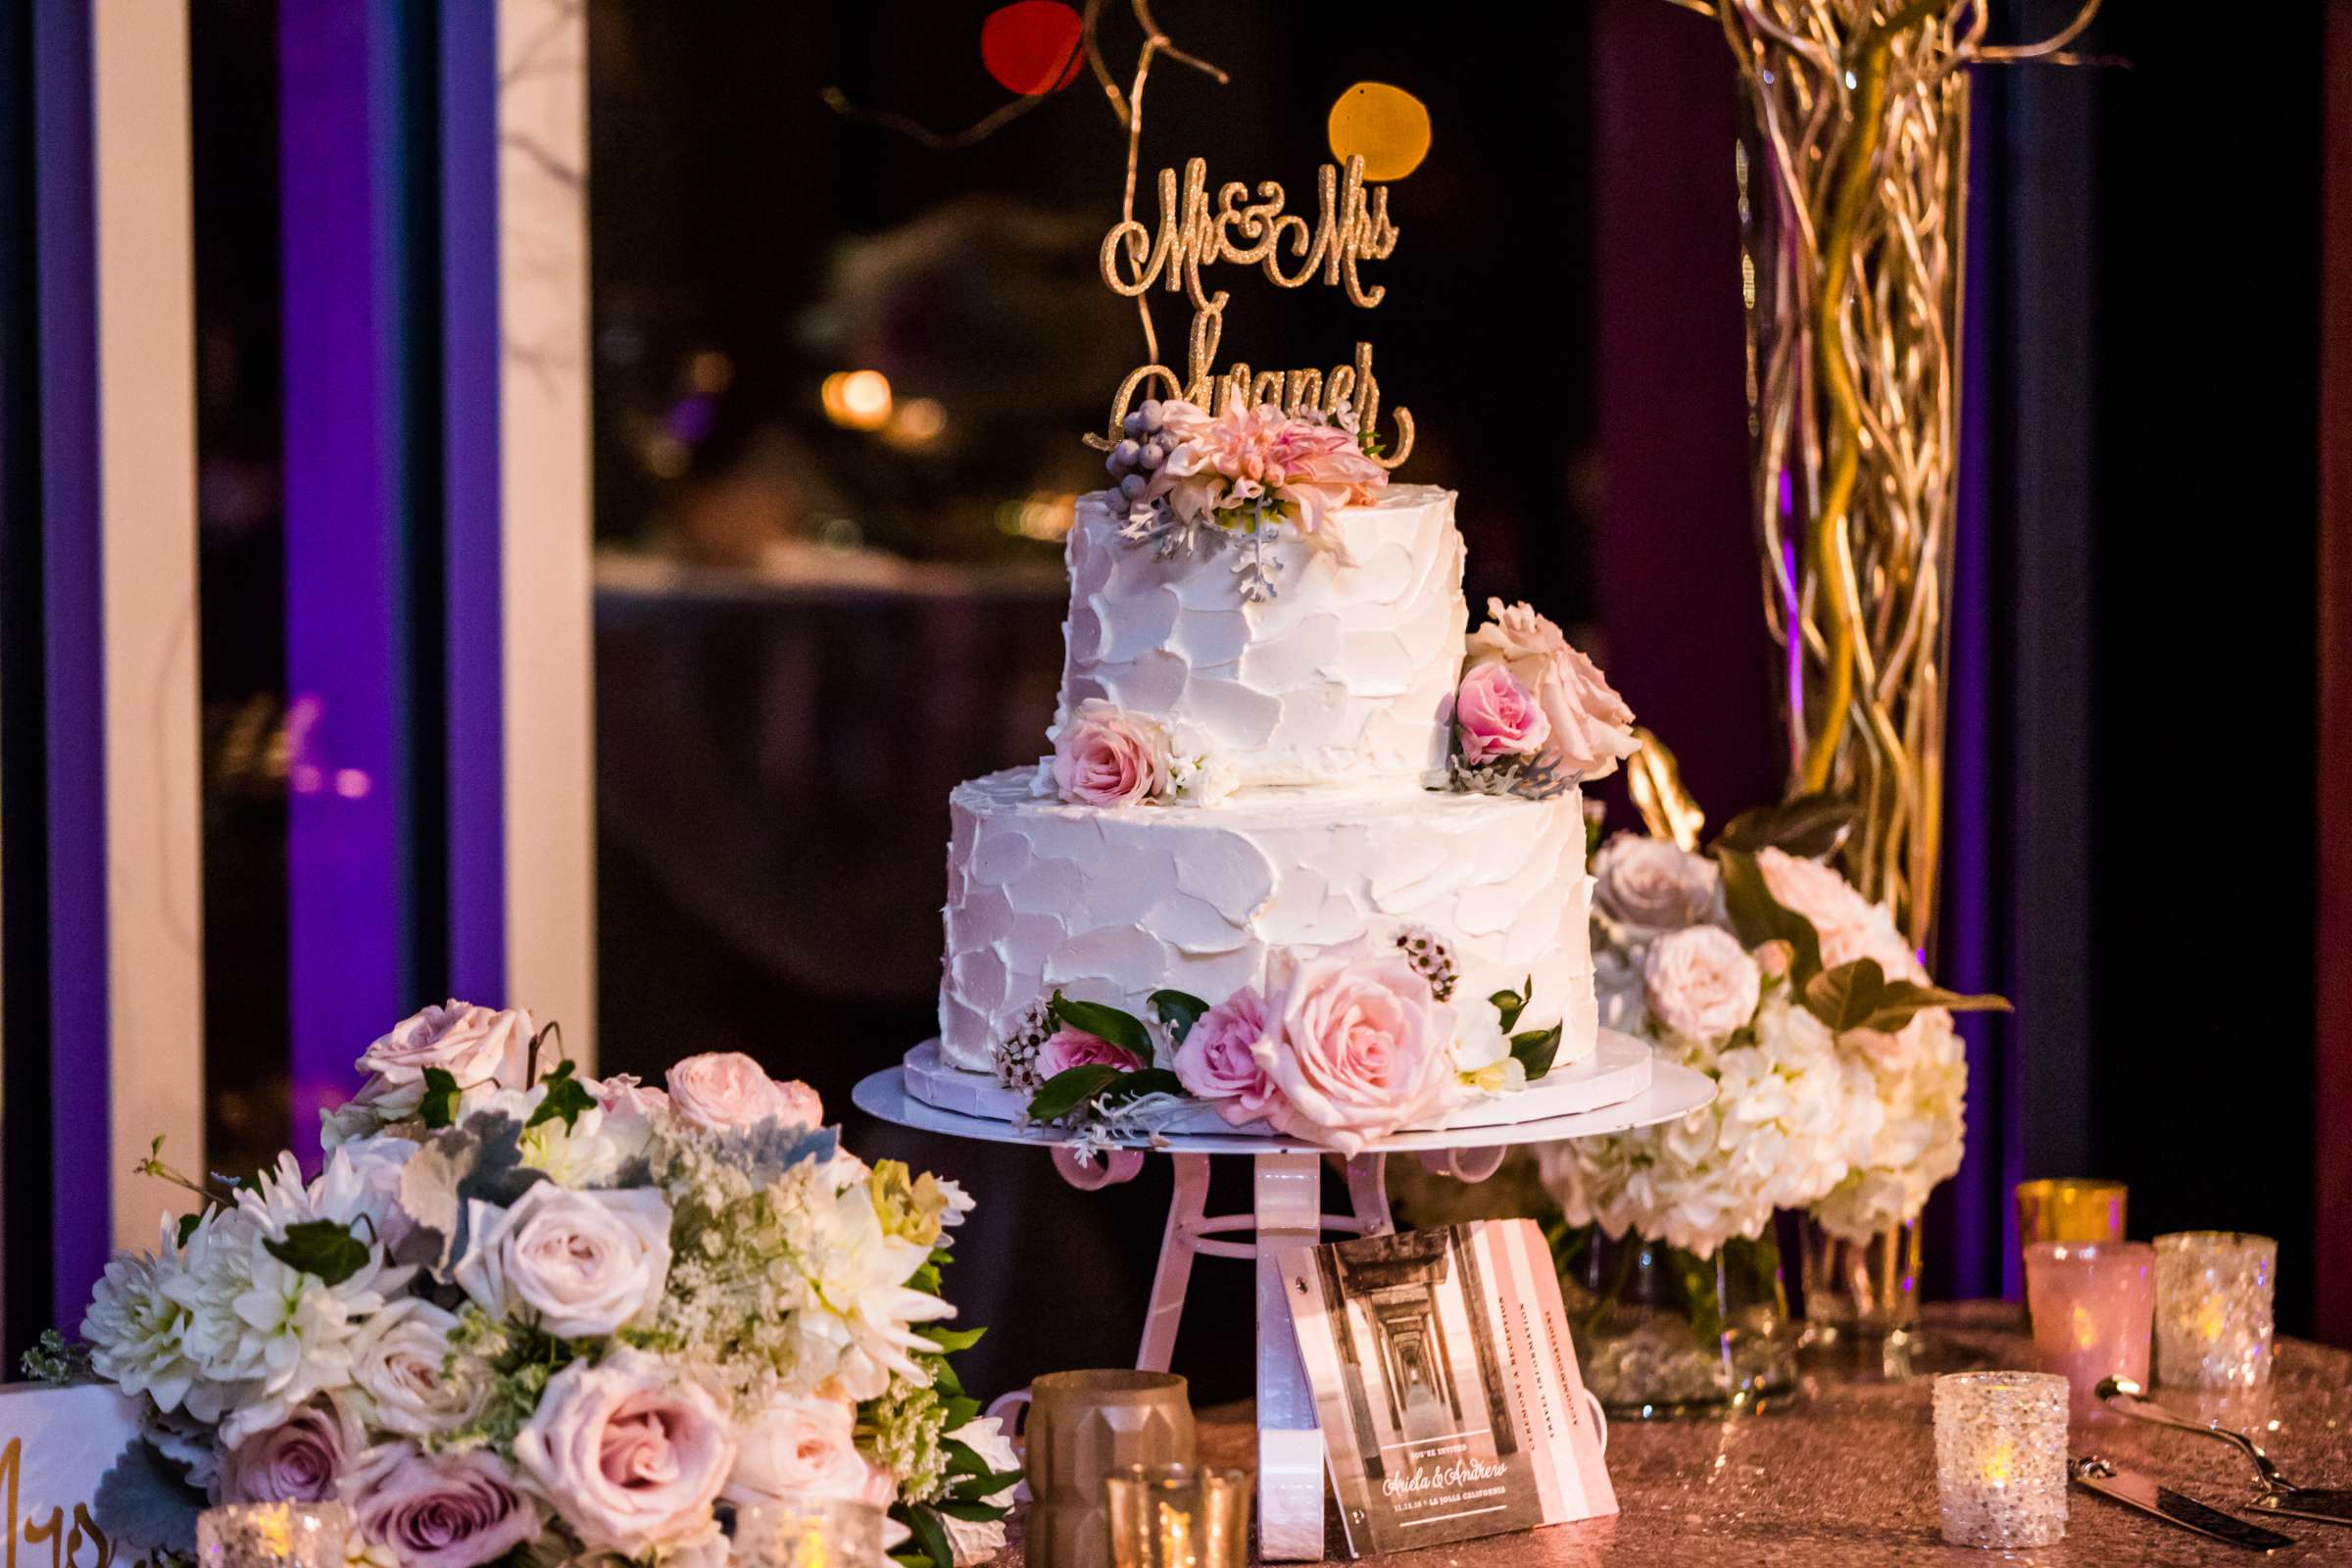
[1031, 46]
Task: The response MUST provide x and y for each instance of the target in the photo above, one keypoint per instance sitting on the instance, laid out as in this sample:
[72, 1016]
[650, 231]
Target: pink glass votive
[2093, 1305]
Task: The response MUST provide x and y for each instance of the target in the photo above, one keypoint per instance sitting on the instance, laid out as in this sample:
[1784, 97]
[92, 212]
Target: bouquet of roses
[520, 1308]
[1840, 1082]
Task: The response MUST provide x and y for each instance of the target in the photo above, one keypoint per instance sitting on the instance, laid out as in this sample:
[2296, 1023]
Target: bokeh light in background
[1032, 47]
[1386, 126]
[857, 400]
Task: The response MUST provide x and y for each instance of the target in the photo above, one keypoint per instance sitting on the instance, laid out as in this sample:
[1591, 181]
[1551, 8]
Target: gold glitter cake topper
[1351, 226]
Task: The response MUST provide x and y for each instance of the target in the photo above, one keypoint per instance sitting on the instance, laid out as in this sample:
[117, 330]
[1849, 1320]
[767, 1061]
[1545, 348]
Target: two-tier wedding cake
[1305, 850]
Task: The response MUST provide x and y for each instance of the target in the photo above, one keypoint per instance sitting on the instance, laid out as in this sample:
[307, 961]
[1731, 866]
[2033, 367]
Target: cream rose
[798, 1448]
[1701, 983]
[1651, 886]
[1104, 756]
[1358, 1047]
[398, 1362]
[1591, 729]
[587, 1264]
[473, 1044]
[632, 1454]
[726, 1092]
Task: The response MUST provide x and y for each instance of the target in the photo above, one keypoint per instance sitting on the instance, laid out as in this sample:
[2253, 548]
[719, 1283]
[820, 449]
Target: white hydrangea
[1920, 1092]
[1789, 1112]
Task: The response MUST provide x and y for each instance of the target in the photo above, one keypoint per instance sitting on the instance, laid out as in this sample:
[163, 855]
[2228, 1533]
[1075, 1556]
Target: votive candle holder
[2093, 1305]
[2214, 1293]
[1177, 1516]
[818, 1533]
[2070, 1208]
[273, 1534]
[2000, 1458]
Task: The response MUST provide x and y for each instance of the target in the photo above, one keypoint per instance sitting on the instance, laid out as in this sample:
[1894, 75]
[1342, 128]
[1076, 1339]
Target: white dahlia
[137, 1331]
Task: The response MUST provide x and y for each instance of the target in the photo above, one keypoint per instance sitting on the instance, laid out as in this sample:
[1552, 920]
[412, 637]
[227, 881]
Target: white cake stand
[1286, 1207]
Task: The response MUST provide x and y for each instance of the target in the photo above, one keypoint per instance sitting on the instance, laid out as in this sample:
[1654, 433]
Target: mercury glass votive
[2092, 1305]
[2000, 1458]
[1177, 1516]
[2213, 1308]
[831, 1533]
[267, 1535]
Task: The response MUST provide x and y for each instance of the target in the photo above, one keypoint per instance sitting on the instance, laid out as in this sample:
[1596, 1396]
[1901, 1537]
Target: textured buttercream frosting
[1345, 674]
[1109, 904]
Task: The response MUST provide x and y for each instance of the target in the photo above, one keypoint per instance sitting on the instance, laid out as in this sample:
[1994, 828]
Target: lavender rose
[1215, 1062]
[475, 1046]
[1701, 983]
[1103, 756]
[1591, 729]
[1498, 717]
[1651, 886]
[726, 1091]
[446, 1511]
[632, 1454]
[587, 1264]
[800, 1447]
[1358, 1049]
[302, 1460]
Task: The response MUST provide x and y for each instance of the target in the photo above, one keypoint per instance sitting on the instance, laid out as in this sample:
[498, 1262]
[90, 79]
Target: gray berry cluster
[1140, 454]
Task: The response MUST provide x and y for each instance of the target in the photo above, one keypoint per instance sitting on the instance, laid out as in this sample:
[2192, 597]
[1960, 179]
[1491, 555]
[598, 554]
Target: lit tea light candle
[2000, 1458]
[2214, 1293]
[273, 1534]
[2092, 1307]
[827, 1532]
[1176, 1516]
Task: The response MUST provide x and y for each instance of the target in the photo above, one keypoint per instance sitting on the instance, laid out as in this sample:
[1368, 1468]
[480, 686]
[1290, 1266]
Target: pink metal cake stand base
[1287, 1203]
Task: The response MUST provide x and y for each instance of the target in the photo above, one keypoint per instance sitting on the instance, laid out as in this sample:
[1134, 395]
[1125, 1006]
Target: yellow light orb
[1386, 126]
[858, 400]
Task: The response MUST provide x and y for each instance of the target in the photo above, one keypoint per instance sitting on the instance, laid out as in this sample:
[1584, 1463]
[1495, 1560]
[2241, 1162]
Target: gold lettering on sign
[64, 1541]
[1351, 226]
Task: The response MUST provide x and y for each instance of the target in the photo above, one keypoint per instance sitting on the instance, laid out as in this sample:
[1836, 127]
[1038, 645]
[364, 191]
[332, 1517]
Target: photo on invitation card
[1440, 1420]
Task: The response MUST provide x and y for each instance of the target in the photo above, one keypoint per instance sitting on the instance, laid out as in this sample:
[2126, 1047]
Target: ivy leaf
[322, 1247]
[1144, 1081]
[1178, 1010]
[1122, 1029]
[1758, 917]
[1900, 1000]
[566, 1098]
[1066, 1091]
[187, 1226]
[1810, 826]
[1536, 1049]
[1509, 1004]
[440, 1106]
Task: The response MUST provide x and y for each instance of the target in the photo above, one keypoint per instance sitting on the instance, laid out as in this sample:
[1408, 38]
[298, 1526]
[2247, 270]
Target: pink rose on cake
[1069, 1047]
[1591, 729]
[1104, 756]
[1498, 717]
[1217, 1061]
[1357, 1046]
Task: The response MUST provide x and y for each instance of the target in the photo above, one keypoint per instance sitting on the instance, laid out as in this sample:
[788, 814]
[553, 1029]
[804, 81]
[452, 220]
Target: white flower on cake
[1587, 727]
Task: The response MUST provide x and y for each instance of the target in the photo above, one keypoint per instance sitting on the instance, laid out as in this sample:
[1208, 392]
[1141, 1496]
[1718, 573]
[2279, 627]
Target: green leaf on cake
[1859, 996]
[1810, 826]
[1144, 1081]
[1509, 1004]
[1758, 917]
[322, 1247]
[1066, 1091]
[1179, 1011]
[1122, 1029]
[1536, 1049]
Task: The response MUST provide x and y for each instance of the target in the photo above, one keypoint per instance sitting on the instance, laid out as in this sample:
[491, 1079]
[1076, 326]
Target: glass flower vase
[1664, 1331]
[1861, 1300]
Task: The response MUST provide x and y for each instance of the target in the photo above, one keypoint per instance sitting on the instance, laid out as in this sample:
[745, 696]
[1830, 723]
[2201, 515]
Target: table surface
[1844, 1474]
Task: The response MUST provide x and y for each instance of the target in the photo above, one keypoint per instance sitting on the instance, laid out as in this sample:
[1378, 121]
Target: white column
[147, 500]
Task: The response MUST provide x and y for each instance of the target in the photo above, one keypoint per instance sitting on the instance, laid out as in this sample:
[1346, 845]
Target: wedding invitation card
[1446, 1385]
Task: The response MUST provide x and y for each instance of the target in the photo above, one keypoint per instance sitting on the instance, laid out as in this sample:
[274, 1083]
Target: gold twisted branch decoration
[1852, 192]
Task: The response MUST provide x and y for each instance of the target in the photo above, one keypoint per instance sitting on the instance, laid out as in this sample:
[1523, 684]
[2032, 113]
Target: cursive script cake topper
[1351, 226]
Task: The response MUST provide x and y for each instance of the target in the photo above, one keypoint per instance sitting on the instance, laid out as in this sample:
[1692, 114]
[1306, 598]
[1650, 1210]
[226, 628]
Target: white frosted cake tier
[1346, 673]
[1110, 905]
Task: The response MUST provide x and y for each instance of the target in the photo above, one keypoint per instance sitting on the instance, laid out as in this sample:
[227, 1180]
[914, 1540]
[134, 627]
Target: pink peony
[1215, 1062]
[726, 1091]
[1701, 983]
[1103, 756]
[1358, 1047]
[632, 1454]
[1068, 1048]
[1591, 729]
[1498, 717]
[446, 1511]
[800, 1447]
[302, 1460]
